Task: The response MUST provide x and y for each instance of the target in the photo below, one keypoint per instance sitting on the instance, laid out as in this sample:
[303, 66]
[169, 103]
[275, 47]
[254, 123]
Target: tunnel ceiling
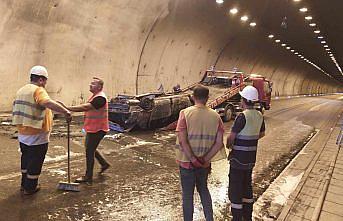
[298, 33]
[136, 46]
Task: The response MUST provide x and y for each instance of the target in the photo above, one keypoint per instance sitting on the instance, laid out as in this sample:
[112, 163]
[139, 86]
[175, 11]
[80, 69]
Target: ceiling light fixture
[296, 0]
[320, 37]
[313, 24]
[292, 50]
[220, 1]
[233, 11]
[270, 36]
[288, 48]
[326, 46]
[323, 42]
[283, 45]
[252, 24]
[244, 18]
[277, 40]
[296, 53]
[328, 49]
[308, 18]
[317, 31]
[303, 9]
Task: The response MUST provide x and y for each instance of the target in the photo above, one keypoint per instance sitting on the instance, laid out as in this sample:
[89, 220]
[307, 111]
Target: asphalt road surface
[143, 181]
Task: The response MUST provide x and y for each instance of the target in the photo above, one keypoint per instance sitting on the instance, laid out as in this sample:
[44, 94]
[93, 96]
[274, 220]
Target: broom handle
[68, 137]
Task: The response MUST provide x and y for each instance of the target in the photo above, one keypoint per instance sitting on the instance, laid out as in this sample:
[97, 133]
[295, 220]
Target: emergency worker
[33, 117]
[247, 129]
[96, 126]
[199, 138]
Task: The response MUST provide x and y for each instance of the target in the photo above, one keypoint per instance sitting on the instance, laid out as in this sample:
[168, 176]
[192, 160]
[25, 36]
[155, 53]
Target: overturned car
[145, 111]
[155, 110]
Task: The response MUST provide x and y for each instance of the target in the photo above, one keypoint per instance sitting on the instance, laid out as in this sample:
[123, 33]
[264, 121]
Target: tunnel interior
[135, 46]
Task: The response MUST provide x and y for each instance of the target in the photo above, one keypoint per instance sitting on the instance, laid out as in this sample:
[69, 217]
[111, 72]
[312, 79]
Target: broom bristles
[68, 186]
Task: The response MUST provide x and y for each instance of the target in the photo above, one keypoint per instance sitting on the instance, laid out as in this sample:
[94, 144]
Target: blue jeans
[189, 179]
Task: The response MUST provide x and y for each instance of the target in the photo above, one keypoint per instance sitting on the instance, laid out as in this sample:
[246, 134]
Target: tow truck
[224, 89]
[155, 110]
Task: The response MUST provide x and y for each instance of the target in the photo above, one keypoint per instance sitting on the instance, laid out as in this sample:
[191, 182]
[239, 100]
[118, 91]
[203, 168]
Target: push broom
[68, 186]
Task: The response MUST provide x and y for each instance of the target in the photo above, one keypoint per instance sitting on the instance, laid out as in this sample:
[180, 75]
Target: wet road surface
[143, 182]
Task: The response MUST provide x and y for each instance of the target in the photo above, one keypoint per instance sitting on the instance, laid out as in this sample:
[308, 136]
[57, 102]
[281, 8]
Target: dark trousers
[189, 179]
[32, 158]
[92, 142]
[241, 194]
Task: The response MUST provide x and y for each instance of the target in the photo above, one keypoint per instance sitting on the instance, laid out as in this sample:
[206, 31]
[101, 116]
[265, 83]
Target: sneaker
[104, 168]
[31, 192]
[84, 179]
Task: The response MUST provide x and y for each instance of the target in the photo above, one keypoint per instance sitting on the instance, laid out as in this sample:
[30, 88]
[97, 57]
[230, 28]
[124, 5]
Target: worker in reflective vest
[247, 129]
[199, 142]
[33, 117]
[96, 127]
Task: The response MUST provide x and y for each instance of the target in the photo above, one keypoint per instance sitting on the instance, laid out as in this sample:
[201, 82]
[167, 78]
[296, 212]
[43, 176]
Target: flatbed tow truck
[155, 110]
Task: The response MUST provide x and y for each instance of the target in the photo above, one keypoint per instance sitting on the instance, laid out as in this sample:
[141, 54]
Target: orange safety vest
[97, 120]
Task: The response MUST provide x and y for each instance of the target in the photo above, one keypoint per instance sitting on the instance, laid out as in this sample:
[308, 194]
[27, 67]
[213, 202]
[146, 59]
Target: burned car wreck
[156, 110]
[145, 111]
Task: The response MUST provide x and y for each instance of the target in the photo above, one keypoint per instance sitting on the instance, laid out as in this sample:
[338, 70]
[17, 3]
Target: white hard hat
[39, 71]
[250, 93]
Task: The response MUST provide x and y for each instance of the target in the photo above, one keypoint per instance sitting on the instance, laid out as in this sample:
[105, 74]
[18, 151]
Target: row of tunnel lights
[271, 36]
[320, 37]
[245, 18]
[234, 11]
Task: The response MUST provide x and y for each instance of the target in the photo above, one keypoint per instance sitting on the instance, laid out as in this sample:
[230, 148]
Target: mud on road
[143, 182]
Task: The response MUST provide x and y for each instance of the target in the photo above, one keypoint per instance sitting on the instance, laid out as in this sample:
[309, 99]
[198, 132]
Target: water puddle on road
[49, 159]
[144, 183]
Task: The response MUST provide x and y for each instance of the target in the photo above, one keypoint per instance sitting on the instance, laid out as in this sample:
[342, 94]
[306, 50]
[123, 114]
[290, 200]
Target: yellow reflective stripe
[20, 113]
[27, 103]
[201, 137]
[32, 177]
[245, 200]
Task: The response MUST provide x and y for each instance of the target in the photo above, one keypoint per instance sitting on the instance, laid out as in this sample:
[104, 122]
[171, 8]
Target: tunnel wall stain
[135, 46]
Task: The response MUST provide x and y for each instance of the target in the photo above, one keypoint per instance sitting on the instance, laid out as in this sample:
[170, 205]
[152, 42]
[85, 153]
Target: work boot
[104, 168]
[31, 192]
[84, 179]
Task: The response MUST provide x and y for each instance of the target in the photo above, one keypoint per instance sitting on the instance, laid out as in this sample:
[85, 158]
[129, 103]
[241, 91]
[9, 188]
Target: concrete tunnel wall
[136, 45]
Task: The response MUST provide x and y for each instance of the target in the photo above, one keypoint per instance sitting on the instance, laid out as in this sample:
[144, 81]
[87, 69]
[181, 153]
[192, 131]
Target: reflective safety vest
[97, 120]
[26, 111]
[202, 127]
[243, 155]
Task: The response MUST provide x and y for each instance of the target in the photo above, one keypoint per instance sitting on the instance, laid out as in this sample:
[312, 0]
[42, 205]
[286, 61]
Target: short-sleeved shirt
[182, 125]
[98, 102]
[34, 136]
[240, 123]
